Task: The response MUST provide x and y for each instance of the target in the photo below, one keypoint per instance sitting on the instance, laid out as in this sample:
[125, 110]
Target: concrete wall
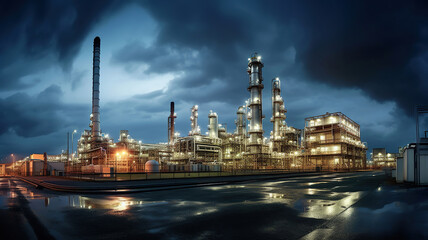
[409, 165]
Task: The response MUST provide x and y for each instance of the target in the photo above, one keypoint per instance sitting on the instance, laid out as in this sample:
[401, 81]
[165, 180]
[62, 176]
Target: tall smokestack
[171, 125]
[95, 116]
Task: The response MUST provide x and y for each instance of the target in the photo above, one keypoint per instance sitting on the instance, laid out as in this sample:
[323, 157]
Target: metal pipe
[95, 116]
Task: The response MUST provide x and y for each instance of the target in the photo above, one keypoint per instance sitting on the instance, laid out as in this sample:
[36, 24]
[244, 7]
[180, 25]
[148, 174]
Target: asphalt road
[363, 205]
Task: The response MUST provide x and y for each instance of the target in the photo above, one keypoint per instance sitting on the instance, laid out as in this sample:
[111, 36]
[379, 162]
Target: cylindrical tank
[151, 166]
[213, 125]
[240, 121]
[222, 132]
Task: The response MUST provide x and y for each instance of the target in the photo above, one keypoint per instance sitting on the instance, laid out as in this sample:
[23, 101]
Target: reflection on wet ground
[309, 207]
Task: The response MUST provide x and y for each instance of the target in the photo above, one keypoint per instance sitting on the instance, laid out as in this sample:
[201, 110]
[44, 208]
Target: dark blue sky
[366, 59]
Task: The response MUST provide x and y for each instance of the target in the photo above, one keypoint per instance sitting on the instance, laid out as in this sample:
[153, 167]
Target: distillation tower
[255, 143]
[278, 116]
[196, 130]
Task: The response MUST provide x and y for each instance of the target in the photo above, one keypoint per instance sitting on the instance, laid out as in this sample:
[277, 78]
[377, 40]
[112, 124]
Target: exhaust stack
[171, 125]
[95, 116]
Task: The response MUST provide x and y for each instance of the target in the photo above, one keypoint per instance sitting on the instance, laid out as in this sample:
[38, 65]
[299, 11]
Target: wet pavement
[363, 205]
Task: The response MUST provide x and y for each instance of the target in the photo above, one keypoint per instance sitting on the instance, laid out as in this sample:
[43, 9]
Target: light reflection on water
[325, 209]
[117, 203]
[216, 188]
[276, 195]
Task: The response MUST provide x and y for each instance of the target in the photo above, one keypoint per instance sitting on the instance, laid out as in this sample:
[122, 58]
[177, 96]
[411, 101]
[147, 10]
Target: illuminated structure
[197, 148]
[278, 114]
[213, 125]
[381, 158]
[240, 122]
[245, 148]
[98, 149]
[256, 149]
[332, 141]
[196, 130]
[93, 145]
[284, 143]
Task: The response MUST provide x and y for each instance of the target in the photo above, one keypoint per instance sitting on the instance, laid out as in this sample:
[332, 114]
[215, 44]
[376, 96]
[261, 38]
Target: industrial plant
[327, 142]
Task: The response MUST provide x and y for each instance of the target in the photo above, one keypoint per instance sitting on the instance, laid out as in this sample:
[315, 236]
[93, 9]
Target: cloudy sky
[366, 59]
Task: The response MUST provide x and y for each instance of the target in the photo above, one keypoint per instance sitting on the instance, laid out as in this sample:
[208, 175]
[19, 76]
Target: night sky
[366, 59]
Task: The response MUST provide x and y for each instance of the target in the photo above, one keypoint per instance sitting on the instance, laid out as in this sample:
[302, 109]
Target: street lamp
[13, 163]
[72, 144]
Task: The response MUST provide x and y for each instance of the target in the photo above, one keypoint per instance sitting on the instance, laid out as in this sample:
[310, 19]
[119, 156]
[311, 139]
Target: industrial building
[381, 158]
[412, 166]
[327, 142]
[333, 141]
[35, 165]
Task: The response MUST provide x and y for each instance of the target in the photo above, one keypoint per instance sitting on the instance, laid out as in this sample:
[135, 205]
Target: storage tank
[152, 166]
[213, 125]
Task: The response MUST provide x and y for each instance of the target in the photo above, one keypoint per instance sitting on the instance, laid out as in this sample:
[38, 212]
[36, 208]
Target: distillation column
[194, 122]
[213, 125]
[256, 117]
[278, 115]
[95, 116]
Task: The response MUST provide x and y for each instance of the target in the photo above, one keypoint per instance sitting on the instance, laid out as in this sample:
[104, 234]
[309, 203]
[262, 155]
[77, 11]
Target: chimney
[171, 125]
[95, 116]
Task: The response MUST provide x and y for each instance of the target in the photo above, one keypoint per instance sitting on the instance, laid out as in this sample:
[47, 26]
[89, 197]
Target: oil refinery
[327, 142]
